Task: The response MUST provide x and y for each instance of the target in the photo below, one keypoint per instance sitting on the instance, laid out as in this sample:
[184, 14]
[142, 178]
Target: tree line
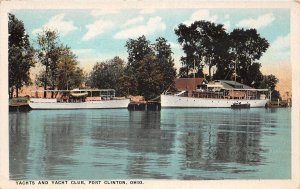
[149, 69]
[59, 64]
[233, 55]
[148, 72]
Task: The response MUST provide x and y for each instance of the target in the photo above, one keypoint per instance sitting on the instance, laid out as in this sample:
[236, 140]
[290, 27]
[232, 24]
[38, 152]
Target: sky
[98, 35]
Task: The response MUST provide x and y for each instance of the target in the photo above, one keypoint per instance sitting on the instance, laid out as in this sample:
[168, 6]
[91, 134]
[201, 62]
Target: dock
[132, 106]
[144, 106]
[19, 107]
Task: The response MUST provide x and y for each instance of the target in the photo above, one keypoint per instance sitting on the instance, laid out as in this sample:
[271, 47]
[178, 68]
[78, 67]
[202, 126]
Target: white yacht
[79, 99]
[198, 93]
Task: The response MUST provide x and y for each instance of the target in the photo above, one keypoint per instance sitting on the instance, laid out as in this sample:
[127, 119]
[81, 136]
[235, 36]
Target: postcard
[138, 94]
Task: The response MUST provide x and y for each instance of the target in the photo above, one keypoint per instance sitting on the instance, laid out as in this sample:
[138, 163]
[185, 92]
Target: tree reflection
[239, 140]
[145, 138]
[223, 139]
[18, 145]
[61, 135]
[171, 144]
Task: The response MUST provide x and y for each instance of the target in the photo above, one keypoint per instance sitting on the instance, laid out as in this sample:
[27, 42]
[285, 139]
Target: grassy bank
[19, 100]
[280, 104]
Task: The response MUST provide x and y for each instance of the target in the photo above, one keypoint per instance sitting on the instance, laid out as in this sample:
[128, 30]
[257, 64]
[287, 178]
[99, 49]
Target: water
[171, 144]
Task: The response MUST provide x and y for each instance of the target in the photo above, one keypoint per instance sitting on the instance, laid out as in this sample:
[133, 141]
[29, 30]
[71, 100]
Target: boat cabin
[77, 95]
[190, 84]
[199, 87]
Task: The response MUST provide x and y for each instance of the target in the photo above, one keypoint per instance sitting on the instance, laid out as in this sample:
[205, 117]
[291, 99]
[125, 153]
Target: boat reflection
[167, 144]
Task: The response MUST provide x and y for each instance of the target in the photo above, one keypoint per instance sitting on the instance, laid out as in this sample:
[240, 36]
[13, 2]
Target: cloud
[83, 51]
[281, 43]
[97, 28]
[147, 11]
[207, 16]
[260, 22]
[227, 25]
[201, 15]
[133, 21]
[154, 24]
[58, 24]
[226, 22]
[102, 12]
[174, 45]
[279, 50]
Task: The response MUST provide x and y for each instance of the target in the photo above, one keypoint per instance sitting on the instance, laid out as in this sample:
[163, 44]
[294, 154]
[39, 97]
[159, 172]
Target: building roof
[188, 84]
[228, 84]
[232, 85]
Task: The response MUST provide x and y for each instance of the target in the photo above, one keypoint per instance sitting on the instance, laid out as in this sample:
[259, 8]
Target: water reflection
[239, 140]
[146, 135]
[18, 152]
[171, 144]
[60, 142]
[149, 144]
[230, 138]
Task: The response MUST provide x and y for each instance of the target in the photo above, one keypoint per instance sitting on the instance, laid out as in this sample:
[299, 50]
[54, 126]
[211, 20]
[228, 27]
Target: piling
[144, 106]
[19, 107]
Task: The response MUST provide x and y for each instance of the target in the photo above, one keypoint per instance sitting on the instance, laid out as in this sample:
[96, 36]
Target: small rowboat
[240, 105]
[78, 93]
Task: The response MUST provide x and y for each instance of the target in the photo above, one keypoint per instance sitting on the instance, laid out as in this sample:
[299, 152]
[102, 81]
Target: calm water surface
[171, 144]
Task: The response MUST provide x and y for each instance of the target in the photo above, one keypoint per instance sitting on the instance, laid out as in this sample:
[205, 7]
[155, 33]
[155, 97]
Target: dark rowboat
[240, 105]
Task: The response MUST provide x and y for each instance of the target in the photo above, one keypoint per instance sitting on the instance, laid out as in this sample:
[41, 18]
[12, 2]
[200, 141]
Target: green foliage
[48, 55]
[208, 44]
[66, 74]
[150, 69]
[20, 55]
[269, 82]
[149, 77]
[138, 49]
[61, 69]
[246, 47]
[69, 75]
[165, 61]
[204, 43]
[275, 95]
[109, 75]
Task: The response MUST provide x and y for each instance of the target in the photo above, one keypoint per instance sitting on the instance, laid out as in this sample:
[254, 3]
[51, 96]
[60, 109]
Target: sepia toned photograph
[115, 96]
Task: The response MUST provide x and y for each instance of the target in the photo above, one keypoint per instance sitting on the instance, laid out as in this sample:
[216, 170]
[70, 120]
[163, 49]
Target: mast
[194, 76]
[235, 73]
[194, 69]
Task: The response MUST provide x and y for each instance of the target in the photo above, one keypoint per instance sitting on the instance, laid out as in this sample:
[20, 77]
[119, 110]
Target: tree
[20, 55]
[187, 68]
[270, 82]
[150, 78]
[137, 50]
[69, 75]
[66, 74]
[150, 68]
[275, 95]
[247, 47]
[204, 43]
[108, 75]
[48, 55]
[164, 53]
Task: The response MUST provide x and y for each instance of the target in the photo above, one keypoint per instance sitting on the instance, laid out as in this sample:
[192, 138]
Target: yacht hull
[104, 104]
[172, 101]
